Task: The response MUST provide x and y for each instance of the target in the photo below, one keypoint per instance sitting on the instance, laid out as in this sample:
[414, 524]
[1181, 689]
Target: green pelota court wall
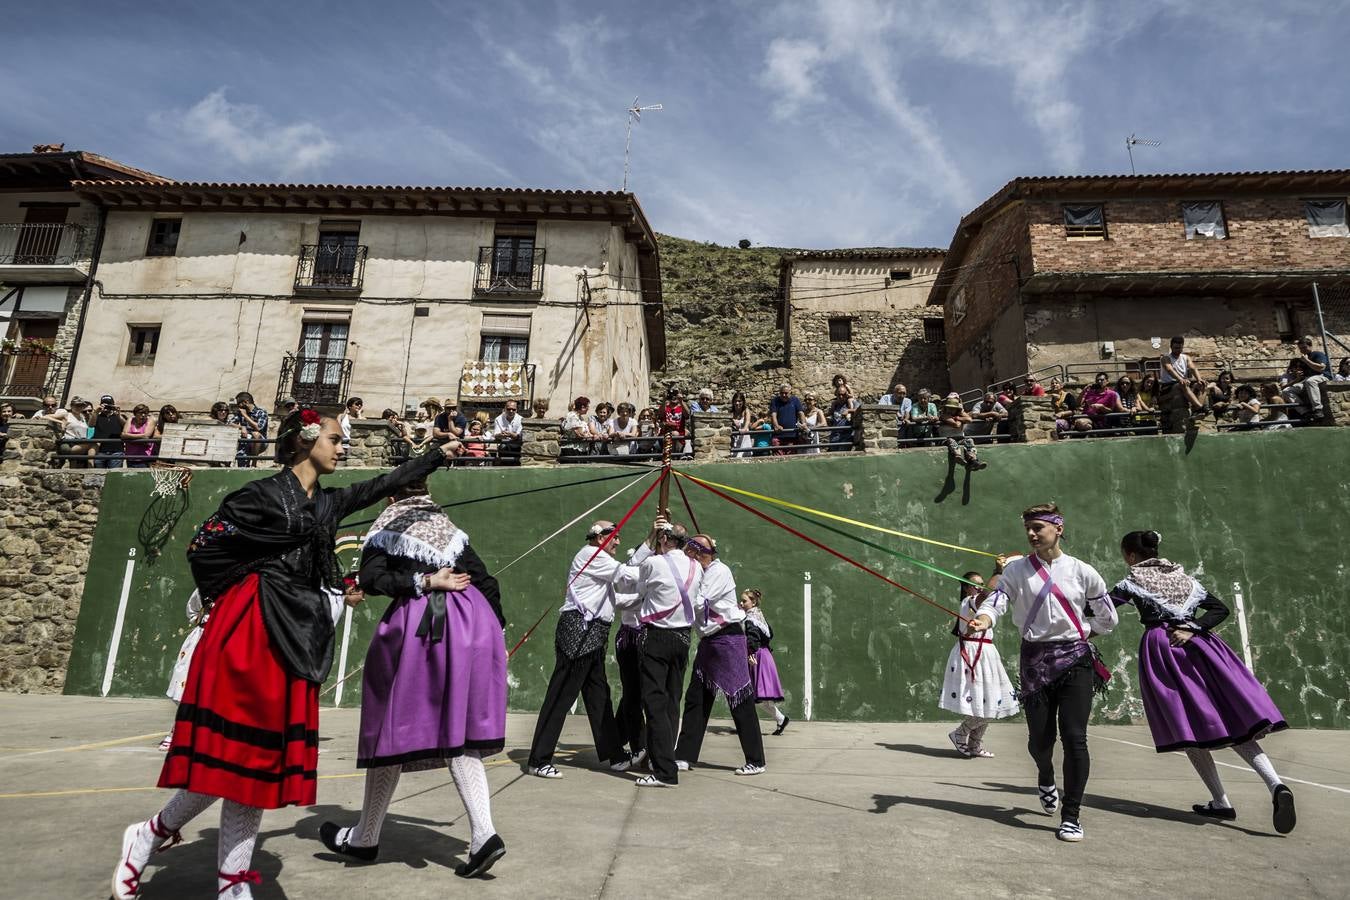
[1263, 511]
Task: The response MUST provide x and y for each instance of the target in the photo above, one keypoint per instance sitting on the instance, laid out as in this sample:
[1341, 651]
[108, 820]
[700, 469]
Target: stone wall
[49, 518]
[886, 346]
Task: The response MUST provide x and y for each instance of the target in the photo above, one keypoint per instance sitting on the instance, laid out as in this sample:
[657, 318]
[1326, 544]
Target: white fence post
[806, 645]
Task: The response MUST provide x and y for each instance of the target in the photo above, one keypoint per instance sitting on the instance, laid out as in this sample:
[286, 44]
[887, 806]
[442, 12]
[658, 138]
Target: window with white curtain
[504, 338]
[1204, 220]
[1326, 218]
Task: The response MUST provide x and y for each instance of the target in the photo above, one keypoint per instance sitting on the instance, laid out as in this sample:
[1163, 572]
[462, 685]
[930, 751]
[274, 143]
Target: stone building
[1092, 272]
[392, 294]
[864, 313]
[48, 236]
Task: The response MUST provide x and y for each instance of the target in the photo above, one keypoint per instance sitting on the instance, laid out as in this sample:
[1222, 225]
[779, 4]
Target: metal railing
[314, 380]
[29, 373]
[509, 272]
[331, 267]
[33, 244]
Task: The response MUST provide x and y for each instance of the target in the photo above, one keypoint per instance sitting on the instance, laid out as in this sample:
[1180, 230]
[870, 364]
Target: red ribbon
[608, 539]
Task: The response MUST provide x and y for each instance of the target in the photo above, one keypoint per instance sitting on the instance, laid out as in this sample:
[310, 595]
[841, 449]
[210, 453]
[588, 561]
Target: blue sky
[812, 124]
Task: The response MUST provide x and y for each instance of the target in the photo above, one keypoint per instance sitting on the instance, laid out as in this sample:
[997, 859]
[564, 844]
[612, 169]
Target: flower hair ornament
[311, 424]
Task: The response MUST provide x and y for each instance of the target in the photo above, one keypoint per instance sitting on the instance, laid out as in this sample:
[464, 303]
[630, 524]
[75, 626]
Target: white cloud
[248, 136]
[791, 67]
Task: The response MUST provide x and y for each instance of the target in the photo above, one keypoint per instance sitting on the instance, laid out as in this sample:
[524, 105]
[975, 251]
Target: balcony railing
[314, 380]
[25, 244]
[28, 373]
[331, 267]
[509, 271]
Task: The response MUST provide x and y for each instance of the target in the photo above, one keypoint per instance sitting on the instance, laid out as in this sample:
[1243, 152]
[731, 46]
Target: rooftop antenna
[1142, 142]
[634, 115]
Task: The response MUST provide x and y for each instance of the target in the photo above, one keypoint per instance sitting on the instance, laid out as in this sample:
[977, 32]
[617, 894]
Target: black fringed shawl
[271, 527]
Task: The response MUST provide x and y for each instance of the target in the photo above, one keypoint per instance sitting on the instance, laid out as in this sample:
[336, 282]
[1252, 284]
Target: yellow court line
[74, 792]
[825, 515]
[94, 746]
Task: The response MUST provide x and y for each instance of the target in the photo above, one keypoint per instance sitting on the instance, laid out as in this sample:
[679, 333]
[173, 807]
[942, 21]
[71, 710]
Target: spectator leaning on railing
[448, 424]
[47, 410]
[138, 438]
[741, 440]
[840, 418]
[812, 419]
[508, 430]
[623, 428]
[987, 416]
[576, 433]
[785, 412]
[252, 422]
[923, 416]
[108, 425]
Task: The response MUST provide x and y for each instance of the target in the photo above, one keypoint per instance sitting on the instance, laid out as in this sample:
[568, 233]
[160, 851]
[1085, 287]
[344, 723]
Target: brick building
[1098, 271]
[865, 313]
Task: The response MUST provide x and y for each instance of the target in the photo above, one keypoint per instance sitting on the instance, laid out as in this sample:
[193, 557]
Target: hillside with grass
[721, 306]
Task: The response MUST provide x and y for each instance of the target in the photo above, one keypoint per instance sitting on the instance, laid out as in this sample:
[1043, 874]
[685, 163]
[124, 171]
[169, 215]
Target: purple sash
[683, 587]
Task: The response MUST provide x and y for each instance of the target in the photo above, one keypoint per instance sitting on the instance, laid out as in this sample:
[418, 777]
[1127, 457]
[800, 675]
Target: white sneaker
[1049, 799]
[639, 757]
[958, 739]
[750, 769]
[1070, 831]
[652, 781]
[622, 765]
[682, 765]
[545, 771]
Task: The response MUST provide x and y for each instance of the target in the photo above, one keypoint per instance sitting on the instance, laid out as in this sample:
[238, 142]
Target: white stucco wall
[214, 346]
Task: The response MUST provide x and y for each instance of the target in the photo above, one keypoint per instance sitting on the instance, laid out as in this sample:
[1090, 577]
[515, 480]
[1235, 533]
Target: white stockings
[380, 784]
[1250, 752]
[471, 779]
[238, 833]
[1255, 757]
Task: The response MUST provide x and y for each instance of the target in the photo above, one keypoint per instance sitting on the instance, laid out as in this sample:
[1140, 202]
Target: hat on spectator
[431, 401]
[107, 398]
[288, 400]
[953, 401]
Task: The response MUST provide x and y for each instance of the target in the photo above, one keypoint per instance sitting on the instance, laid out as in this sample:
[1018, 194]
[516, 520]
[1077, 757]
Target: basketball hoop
[169, 479]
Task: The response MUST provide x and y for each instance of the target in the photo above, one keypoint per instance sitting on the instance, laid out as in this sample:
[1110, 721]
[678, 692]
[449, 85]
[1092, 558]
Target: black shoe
[975, 465]
[783, 725]
[481, 861]
[1209, 811]
[1285, 818]
[328, 833]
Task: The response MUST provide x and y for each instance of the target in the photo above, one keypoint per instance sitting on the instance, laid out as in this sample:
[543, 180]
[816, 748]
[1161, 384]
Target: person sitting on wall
[1311, 369]
[785, 411]
[1178, 397]
[952, 422]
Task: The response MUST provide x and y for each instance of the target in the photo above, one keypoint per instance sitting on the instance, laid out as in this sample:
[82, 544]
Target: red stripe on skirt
[247, 730]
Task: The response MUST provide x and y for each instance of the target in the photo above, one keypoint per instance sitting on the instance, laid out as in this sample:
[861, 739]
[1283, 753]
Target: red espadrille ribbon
[171, 837]
[134, 882]
[233, 878]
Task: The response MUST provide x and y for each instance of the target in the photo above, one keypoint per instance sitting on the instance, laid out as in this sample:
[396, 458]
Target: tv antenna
[1142, 142]
[634, 115]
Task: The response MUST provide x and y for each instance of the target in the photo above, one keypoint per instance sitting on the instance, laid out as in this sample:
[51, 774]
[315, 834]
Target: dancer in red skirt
[247, 727]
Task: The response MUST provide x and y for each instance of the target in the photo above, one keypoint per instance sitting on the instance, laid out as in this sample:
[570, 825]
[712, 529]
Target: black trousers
[698, 701]
[1068, 704]
[629, 711]
[584, 675]
[665, 654]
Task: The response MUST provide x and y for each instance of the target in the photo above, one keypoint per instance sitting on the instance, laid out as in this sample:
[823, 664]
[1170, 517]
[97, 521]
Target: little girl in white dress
[975, 684]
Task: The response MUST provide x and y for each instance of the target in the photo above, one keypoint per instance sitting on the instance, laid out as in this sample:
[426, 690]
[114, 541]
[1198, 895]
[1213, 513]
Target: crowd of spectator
[104, 436]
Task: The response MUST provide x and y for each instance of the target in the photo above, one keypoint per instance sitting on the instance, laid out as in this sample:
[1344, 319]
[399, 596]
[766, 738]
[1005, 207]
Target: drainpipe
[88, 295]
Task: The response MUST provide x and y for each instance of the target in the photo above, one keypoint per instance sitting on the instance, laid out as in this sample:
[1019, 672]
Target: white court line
[1247, 769]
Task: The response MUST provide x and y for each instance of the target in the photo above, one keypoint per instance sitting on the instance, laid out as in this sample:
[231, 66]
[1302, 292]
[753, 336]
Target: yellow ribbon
[824, 515]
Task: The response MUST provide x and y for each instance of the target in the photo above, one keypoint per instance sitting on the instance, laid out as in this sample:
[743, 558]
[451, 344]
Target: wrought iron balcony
[314, 380]
[331, 267]
[34, 244]
[510, 271]
[28, 372]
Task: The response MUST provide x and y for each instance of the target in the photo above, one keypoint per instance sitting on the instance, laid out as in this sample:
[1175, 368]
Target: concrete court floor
[845, 810]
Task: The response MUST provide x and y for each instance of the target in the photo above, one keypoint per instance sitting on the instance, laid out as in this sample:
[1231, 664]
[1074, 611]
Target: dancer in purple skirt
[1198, 696]
[434, 688]
[768, 690]
[719, 665]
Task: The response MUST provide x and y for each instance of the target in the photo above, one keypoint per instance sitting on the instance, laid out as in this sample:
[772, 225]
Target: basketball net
[169, 479]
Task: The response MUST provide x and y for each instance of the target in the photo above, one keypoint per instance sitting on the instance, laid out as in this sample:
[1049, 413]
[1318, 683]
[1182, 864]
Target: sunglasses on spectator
[49, 404]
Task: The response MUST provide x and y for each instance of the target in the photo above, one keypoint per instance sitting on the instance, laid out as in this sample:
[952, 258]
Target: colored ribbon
[815, 543]
[816, 512]
[603, 544]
